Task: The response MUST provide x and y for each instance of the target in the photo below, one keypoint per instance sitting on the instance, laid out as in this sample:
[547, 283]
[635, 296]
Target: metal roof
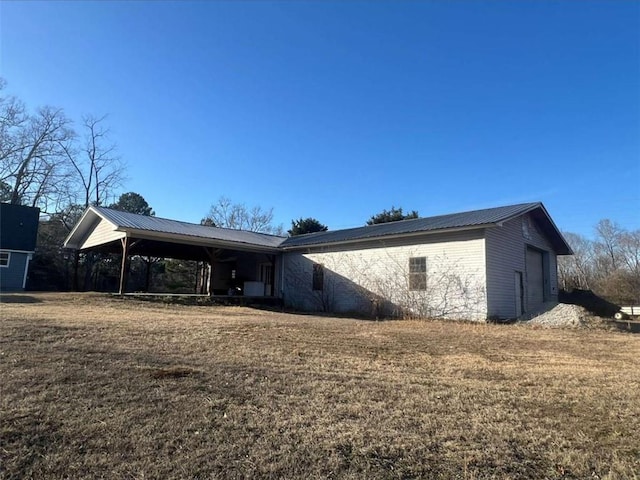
[130, 221]
[489, 217]
[464, 220]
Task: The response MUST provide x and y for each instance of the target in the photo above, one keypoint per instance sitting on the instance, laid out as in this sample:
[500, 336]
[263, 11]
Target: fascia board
[553, 226]
[389, 237]
[193, 240]
[569, 249]
[80, 224]
[16, 251]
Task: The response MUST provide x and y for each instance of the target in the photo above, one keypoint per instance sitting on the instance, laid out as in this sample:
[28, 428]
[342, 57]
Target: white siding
[103, 232]
[372, 277]
[506, 253]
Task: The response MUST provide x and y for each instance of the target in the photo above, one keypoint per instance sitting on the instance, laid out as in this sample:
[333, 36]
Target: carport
[111, 231]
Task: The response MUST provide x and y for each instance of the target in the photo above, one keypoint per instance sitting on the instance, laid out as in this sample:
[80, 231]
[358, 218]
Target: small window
[418, 273]
[4, 259]
[318, 277]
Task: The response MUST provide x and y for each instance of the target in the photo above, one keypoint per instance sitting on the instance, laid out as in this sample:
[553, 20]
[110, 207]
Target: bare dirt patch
[99, 387]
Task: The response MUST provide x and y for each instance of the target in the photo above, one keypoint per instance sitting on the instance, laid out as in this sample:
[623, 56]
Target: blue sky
[337, 110]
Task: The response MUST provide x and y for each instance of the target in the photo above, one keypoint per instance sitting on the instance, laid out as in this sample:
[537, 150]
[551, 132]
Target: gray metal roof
[126, 220]
[465, 220]
[476, 218]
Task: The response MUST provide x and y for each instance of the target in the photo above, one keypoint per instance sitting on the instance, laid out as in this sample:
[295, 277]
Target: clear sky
[337, 110]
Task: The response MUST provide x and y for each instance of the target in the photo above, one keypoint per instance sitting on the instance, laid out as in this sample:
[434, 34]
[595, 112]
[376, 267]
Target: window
[318, 277]
[418, 273]
[4, 259]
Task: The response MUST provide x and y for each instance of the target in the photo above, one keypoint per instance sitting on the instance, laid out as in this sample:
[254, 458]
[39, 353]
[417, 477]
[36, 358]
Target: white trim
[16, 251]
[26, 270]
[8, 258]
[86, 213]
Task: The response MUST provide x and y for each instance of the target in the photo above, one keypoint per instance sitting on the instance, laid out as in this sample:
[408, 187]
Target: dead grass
[99, 387]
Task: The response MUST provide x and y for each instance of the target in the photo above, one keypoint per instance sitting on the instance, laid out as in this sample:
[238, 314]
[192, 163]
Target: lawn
[100, 387]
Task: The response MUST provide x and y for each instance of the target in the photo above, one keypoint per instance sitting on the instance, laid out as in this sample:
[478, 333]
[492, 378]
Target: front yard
[94, 386]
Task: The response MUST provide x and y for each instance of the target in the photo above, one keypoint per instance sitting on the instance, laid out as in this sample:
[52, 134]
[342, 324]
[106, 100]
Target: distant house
[492, 263]
[18, 234]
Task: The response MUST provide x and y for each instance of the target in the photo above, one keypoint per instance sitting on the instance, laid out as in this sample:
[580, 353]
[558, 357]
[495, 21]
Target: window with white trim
[5, 258]
[418, 273]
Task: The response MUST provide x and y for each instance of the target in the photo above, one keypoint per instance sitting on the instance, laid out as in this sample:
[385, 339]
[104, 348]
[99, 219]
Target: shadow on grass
[17, 298]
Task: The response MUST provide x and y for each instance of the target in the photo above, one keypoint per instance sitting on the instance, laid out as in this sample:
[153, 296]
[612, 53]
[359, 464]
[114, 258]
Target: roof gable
[140, 224]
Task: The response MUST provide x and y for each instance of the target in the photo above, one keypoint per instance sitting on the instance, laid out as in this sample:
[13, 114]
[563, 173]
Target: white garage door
[535, 279]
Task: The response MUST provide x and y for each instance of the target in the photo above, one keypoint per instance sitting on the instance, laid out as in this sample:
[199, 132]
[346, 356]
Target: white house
[493, 263]
[484, 264]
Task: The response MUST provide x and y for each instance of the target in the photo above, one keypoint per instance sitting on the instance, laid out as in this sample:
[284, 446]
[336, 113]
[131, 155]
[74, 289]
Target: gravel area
[566, 315]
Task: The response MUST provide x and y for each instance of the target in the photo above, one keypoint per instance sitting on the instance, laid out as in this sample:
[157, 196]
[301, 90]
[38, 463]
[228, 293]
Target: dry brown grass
[99, 387]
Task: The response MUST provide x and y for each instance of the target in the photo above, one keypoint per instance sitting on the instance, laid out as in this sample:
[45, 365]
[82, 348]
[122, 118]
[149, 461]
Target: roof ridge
[408, 220]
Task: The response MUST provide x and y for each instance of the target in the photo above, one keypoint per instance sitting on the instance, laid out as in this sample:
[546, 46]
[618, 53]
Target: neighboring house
[492, 263]
[18, 234]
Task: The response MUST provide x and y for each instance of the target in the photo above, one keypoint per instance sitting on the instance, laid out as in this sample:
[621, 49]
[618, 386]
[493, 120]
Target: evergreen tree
[133, 202]
[392, 215]
[306, 225]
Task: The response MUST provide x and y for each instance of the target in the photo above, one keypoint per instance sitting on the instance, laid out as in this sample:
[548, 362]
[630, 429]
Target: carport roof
[162, 229]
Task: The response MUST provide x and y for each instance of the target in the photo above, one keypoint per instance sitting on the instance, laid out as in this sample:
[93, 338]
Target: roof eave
[567, 248]
[67, 241]
[195, 240]
[389, 237]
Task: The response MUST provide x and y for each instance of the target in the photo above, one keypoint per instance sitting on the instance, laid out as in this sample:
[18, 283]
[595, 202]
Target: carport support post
[123, 268]
[211, 253]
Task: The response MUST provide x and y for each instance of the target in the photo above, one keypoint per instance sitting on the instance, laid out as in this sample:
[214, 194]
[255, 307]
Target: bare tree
[227, 214]
[96, 171]
[576, 271]
[13, 117]
[629, 245]
[608, 245]
[32, 166]
[94, 163]
[608, 265]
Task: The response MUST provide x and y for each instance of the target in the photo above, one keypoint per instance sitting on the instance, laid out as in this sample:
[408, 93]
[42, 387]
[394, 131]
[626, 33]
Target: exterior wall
[372, 278]
[506, 254]
[12, 277]
[103, 232]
